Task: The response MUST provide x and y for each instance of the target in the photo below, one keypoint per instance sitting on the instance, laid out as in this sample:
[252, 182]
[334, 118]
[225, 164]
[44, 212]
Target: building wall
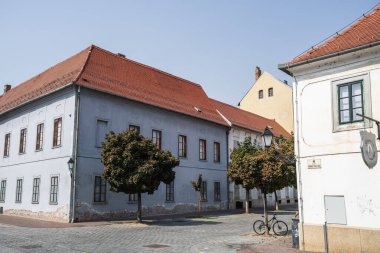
[342, 170]
[43, 164]
[286, 196]
[278, 107]
[120, 113]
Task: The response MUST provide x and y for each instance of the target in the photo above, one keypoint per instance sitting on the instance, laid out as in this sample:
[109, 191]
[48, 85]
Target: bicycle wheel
[259, 227]
[280, 228]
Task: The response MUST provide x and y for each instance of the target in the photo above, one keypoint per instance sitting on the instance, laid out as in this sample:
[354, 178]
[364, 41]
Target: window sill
[169, 201]
[100, 203]
[350, 126]
[132, 202]
[22, 153]
[38, 150]
[54, 147]
[35, 203]
[217, 200]
[203, 160]
[51, 203]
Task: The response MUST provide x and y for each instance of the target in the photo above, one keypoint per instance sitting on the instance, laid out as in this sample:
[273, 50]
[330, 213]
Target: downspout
[300, 197]
[228, 164]
[75, 154]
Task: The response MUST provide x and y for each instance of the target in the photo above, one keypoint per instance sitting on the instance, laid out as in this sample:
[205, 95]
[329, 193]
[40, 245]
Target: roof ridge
[235, 107]
[85, 63]
[147, 66]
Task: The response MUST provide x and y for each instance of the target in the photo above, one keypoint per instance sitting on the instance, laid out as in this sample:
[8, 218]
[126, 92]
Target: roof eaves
[286, 66]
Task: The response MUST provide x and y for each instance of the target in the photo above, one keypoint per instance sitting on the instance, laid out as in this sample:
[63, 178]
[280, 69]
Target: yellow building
[270, 98]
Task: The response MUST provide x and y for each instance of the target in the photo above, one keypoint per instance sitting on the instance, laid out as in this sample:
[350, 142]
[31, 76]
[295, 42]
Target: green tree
[197, 185]
[238, 171]
[134, 165]
[272, 169]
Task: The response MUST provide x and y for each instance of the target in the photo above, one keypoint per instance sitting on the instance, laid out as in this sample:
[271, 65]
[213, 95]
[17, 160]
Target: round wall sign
[369, 149]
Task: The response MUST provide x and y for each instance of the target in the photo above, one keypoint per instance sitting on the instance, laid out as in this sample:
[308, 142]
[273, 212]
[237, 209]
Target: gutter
[228, 164]
[298, 167]
[75, 154]
[286, 66]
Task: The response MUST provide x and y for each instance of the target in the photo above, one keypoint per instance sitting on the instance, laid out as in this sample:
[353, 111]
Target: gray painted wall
[120, 113]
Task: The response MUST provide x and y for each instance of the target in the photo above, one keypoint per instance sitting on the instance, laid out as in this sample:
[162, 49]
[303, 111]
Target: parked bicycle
[279, 227]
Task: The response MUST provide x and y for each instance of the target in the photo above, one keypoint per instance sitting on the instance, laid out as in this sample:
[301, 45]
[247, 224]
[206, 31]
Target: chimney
[258, 72]
[7, 87]
[121, 55]
[286, 81]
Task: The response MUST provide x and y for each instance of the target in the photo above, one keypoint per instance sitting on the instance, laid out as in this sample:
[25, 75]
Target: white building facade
[338, 169]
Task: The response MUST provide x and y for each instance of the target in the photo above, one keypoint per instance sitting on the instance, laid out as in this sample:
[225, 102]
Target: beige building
[270, 98]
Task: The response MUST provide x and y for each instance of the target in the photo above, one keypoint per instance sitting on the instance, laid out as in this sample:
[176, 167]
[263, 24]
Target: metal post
[325, 237]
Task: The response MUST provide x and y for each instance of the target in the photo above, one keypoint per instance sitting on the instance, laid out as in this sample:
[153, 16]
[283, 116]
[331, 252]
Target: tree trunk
[275, 198]
[139, 218]
[265, 214]
[199, 202]
[246, 201]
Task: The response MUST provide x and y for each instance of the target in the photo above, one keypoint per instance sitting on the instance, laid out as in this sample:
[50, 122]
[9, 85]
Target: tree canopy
[134, 164]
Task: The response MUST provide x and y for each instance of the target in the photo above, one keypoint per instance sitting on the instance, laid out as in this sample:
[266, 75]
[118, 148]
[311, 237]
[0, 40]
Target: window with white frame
[132, 198]
[53, 190]
[204, 191]
[22, 147]
[216, 191]
[7, 144]
[99, 189]
[40, 137]
[170, 191]
[3, 188]
[101, 131]
[36, 190]
[57, 132]
[18, 190]
[350, 97]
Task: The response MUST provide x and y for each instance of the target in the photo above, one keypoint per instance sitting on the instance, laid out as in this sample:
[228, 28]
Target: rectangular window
[156, 138]
[36, 190]
[134, 128]
[40, 137]
[57, 133]
[216, 191]
[18, 190]
[53, 190]
[270, 92]
[22, 147]
[261, 94]
[7, 144]
[182, 146]
[132, 197]
[101, 131]
[350, 102]
[3, 188]
[202, 149]
[216, 152]
[204, 191]
[99, 189]
[170, 191]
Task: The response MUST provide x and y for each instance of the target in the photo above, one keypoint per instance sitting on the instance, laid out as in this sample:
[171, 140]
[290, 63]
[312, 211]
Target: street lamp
[267, 137]
[70, 163]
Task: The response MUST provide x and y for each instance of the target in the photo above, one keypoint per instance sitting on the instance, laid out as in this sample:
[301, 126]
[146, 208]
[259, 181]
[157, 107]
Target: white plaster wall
[343, 171]
[50, 161]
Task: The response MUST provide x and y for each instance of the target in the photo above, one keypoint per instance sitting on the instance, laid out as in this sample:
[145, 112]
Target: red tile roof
[363, 32]
[101, 70]
[247, 120]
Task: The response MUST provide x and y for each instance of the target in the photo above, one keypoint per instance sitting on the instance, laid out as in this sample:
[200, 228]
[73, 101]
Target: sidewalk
[281, 245]
[37, 223]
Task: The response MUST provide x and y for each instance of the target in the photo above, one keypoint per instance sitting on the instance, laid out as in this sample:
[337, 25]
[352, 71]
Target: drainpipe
[228, 163]
[75, 154]
[300, 203]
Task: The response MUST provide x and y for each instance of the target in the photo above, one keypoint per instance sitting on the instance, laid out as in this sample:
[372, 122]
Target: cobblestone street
[219, 233]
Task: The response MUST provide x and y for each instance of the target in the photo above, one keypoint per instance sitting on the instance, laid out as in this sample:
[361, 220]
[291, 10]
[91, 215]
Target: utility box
[335, 210]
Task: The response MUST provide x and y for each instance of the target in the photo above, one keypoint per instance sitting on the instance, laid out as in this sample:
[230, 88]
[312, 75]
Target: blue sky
[214, 43]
